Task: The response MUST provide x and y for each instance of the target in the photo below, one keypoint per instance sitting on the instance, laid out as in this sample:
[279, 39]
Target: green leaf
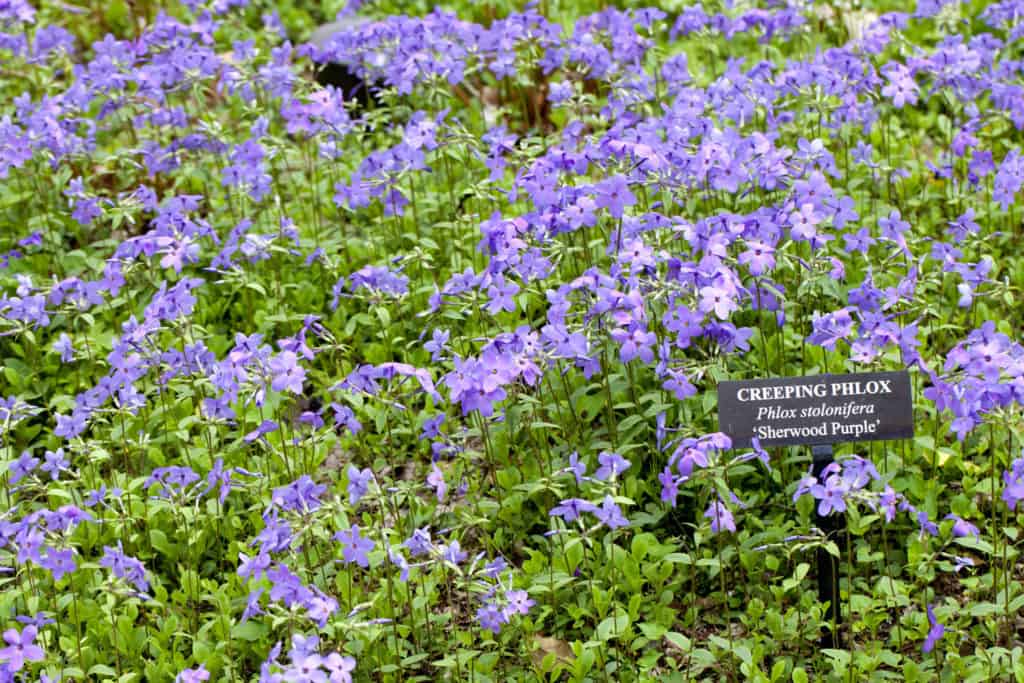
[613, 626]
[250, 631]
[678, 640]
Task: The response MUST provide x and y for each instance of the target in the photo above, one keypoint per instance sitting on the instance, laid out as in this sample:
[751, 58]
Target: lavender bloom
[962, 527]
[21, 648]
[345, 418]
[358, 483]
[453, 553]
[264, 428]
[1013, 478]
[669, 486]
[197, 675]
[491, 618]
[831, 494]
[577, 467]
[926, 525]
[59, 563]
[22, 467]
[612, 465]
[571, 509]
[614, 194]
[720, 516]
[901, 87]
[125, 567]
[961, 563]
[419, 543]
[610, 514]
[935, 633]
[519, 602]
[436, 481]
[302, 495]
[64, 347]
[286, 373]
[831, 328]
[54, 463]
[354, 547]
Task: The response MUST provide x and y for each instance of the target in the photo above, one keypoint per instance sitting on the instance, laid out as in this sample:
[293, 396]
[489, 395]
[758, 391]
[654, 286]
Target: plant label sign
[819, 409]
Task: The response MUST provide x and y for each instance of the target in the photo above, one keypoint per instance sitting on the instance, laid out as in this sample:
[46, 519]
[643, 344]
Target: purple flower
[962, 528]
[453, 553]
[901, 87]
[614, 194]
[419, 543]
[59, 563]
[635, 343]
[72, 426]
[717, 299]
[22, 467]
[358, 483]
[935, 633]
[926, 525]
[720, 516]
[759, 257]
[438, 343]
[610, 514]
[345, 418]
[577, 467]
[830, 496]
[669, 486]
[831, 328]
[436, 481]
[519, 602]
[1013, 493]
[432, 427]
[197, 675]
[302, 495]
[354, 548]
[253, 566]
[125, 567]
[804, 222]
[491, 618]
[571, 509]
[340, 667]
[286, 373]
[64, 347]
[54, 463]
[252, 605]
[887, 501]
[961, 563]
[265, 427]
[20, 648]
[612, 465]
[495, 567]
[501, 293]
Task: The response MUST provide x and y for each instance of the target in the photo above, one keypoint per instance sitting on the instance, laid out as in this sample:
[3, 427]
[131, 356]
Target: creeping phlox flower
[1013, 480]
[720, 516]
[306, 663]
[690, 454]
[499, 608]
[607, 512]
[197, 675]
[21, 648]
[984, 374]
[125, 567]
[845, 483]
[935, 632]
[479, 384]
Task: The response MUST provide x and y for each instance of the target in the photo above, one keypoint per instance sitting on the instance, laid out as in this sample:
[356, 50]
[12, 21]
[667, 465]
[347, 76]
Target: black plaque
[818, 409]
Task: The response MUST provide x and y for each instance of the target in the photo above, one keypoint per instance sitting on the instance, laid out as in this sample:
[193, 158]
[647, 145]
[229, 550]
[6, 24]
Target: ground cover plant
[303, 387]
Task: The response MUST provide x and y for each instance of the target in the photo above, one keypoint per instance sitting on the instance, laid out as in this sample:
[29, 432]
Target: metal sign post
[828, 564]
